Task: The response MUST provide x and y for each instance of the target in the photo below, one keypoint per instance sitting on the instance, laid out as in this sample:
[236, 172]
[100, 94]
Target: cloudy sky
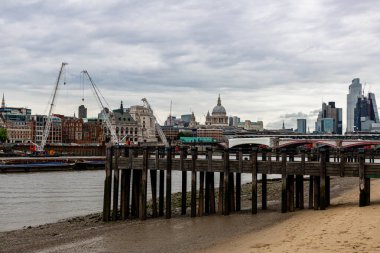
[269, 60]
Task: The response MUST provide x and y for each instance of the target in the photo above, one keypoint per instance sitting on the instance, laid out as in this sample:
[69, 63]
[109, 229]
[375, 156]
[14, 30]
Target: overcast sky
[269, 60]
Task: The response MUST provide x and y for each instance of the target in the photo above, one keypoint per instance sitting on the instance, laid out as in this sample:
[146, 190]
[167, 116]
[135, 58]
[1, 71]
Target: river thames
[30, 199]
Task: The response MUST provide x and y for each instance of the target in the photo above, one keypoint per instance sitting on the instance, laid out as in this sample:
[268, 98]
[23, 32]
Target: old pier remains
[128, 169]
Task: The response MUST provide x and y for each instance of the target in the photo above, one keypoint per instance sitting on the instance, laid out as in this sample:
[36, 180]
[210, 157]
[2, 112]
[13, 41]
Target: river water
[30, 199]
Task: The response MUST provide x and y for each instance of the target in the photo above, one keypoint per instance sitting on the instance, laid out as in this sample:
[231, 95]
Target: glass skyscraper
[365, 113]
[355, 91]
[301, 126]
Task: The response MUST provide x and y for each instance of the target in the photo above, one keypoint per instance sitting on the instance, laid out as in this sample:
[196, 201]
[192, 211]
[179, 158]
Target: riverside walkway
[128, 168]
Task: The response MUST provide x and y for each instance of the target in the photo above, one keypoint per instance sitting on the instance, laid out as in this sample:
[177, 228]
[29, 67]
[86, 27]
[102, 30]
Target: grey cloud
[314, 112]
[279, 57]
[294, 115]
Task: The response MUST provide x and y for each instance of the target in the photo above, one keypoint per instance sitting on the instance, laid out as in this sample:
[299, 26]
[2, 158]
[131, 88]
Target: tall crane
[157, 126]
[110, 127]
[49, 119]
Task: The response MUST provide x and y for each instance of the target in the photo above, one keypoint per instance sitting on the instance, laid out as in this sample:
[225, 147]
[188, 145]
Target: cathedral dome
[219, 109]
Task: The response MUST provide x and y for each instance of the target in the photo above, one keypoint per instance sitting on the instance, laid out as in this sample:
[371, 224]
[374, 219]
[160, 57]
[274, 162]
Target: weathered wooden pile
[130, 167]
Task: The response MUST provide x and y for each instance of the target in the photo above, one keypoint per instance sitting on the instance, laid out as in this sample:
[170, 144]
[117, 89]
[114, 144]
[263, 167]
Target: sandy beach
[344, 227]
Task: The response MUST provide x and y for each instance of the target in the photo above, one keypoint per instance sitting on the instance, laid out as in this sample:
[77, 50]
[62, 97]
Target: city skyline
[294, 116]
[273, 62]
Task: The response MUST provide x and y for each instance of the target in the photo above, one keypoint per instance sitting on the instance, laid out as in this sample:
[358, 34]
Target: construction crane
[45, 135]
[110, 127]
[157, 126]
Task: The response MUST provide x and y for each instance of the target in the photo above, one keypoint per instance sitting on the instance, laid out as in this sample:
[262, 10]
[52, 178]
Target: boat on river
[36, 167]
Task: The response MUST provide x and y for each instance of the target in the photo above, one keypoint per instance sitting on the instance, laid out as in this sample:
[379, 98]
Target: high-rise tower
[355, 91]
[366, 116]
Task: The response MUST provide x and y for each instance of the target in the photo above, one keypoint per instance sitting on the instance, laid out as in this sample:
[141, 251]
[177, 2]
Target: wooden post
[122, 193]
[291, 193]
[133, 201]
[143, 185]
[208, 186]
[226, 193]
[316, 192]
[153, 183]
[270, 161]
[231, 189]
[322, 187]
[201, 193]
[136, 192]
[264, 183]
[343, 159]
[194, 182]
[310, 158]
[107, 184]
[169, 183]
[116, 185]
[161, 191]
[301, 181]
[126, 187]
[211, 181]
[291, 186]
[207, 193]
[328, 181]
[134, 175]
[212, 193]
[182, 157]
[364, 183]
[239, 157]
[254, 179]
[311, 192]
[221, 191]
[284, 197]
[128, 192]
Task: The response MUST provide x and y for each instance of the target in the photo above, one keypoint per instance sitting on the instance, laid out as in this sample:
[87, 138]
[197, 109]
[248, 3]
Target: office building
[327, 125]
[329, 119]
[18, 122]
[234, 121]
[82, 112]
[366, 115]
[55, 132]
[355, 91]
[301, 126]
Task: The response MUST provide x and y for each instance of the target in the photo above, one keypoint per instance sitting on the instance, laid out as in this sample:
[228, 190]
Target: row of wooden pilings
[126, 195]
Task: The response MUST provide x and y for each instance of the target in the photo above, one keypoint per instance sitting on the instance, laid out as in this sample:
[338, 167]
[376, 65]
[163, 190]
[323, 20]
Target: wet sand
[344, 226]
